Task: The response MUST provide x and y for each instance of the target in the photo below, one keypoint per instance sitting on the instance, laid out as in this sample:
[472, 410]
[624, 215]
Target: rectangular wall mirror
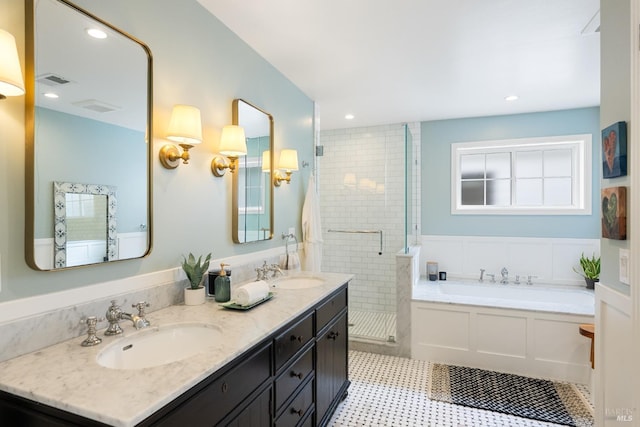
[88, 131]
[252, 202]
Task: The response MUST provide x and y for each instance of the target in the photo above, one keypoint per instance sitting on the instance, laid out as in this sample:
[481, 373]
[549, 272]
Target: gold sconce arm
[220, 164]
[170, 156]
[278, 177]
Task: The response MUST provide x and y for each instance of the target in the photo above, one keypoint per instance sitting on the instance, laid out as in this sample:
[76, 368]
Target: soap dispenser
[222, 286]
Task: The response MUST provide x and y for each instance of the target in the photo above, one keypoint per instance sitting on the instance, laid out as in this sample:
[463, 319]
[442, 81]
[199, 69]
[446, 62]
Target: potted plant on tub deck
[195, 270]
[590, 270]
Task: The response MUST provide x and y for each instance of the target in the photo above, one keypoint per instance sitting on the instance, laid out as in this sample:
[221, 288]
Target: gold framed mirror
[252, 197]
[88, 117]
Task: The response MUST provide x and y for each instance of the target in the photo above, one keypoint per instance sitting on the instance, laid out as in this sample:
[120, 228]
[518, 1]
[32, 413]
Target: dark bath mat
[532, 398]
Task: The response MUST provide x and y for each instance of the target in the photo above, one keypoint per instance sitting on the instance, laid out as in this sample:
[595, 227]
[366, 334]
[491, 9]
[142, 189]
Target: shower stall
[369, 201]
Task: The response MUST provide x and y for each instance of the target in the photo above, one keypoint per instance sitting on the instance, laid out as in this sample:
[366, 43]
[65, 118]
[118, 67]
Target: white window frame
[581, 146]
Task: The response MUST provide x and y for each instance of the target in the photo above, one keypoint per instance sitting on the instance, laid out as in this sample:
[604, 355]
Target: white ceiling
[394, 61]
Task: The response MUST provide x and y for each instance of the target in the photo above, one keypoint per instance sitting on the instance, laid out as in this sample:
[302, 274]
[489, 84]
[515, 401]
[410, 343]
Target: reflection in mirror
[252, 190]
[88, 121]
[85, 224]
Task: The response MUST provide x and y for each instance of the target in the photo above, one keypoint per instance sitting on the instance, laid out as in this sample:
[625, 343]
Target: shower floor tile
[391, 391]
[373, 325]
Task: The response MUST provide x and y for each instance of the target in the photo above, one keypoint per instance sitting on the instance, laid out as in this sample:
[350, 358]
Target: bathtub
[521, 329]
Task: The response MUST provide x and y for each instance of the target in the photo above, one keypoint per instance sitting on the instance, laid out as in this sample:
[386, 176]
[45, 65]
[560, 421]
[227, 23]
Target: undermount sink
[298, 282]
[159, 345]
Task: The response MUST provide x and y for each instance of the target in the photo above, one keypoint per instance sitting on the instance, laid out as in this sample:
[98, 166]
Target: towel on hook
[290, 261]
[312, 229]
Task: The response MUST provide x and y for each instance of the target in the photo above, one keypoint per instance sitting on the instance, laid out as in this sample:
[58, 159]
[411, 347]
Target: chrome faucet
[275, 270]
[481, 275]
[505, 276]
[115, 314]
[263, 272]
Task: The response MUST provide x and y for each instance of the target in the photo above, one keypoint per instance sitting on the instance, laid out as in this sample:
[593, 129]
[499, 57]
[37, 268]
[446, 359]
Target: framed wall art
[614, 213]
[614, 150]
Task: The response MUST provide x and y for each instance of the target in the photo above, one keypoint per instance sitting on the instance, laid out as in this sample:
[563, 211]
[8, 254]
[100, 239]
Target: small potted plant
[590, 270]
[195, 270]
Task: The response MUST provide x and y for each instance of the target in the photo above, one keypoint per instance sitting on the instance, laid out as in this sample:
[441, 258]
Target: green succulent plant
[590, 267]
[195, 270]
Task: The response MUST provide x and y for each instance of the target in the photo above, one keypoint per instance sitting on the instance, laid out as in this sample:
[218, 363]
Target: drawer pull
[333, 335]
[225, 387]
[300, 412]
[299, 374]
[296, 338]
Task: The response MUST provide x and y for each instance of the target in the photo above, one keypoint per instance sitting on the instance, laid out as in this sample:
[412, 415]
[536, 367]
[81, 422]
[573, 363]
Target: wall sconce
[185, 128]
[233, 144]
[288, 162]
[11, 82]
[266, 161]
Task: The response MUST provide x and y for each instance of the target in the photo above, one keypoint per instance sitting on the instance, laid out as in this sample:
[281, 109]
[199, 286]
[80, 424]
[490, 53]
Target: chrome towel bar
[361, 232]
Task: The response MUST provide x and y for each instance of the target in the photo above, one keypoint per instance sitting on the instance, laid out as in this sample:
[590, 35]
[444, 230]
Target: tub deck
[520, 329]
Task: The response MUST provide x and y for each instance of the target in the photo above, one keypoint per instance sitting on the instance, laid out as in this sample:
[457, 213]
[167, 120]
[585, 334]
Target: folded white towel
[294, 262]
[251, 293]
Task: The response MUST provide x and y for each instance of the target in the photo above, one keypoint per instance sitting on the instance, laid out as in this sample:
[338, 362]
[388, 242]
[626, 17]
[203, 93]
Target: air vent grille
[97, 106]
[52, 80]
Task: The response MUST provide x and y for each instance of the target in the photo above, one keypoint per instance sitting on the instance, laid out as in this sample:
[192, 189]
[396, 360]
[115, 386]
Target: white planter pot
[194, 296]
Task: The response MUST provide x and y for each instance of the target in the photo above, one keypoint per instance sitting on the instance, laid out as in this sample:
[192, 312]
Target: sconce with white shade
[11, 81]
[185, 128]
[288, 163]
[266, 161]
[233, 144]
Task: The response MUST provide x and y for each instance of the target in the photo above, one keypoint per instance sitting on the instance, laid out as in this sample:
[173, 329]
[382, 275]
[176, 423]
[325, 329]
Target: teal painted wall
[436, 140]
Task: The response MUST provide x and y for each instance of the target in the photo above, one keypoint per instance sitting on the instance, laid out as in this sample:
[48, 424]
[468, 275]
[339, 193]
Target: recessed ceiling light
[96, 33]
[511, 98]
[51, 95]
[349, 117]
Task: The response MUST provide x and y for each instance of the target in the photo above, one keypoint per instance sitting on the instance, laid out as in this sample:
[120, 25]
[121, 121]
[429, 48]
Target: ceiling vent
[97, 106]
[52, 80]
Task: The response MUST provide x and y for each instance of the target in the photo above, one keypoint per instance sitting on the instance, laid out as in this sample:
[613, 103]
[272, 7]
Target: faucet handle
[141, 306]
[92, 339]
[529, 277]
[113, 317]
[141, 313]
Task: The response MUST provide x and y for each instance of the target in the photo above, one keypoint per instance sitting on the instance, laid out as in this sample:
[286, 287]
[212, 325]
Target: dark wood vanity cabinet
[331, 369]
[296, 377]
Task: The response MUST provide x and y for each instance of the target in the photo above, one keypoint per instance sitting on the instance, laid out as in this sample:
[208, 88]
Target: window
[532, 176]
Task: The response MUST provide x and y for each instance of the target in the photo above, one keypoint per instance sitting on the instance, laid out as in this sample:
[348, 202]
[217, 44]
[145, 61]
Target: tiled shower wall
[362, 188]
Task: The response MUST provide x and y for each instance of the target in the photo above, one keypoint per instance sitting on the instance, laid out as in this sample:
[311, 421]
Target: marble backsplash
[39, 330]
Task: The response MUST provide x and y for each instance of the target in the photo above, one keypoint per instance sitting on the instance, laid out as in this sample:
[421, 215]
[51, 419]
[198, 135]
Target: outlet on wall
[292, 230]
[624, 266]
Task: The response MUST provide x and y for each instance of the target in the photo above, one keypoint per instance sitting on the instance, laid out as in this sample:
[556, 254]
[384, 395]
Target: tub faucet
[505, 276]
[493, 277]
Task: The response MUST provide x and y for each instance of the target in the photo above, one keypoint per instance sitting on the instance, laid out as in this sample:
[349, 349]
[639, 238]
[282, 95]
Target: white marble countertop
[544, 298]
[67, 376]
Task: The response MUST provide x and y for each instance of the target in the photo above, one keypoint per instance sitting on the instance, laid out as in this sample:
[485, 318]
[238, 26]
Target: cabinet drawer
[298, 408]
[293, 376]
[328, 310]
[293, 339]
[216, 400]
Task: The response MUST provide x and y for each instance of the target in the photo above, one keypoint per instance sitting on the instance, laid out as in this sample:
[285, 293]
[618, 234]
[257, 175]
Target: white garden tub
[522, 329]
